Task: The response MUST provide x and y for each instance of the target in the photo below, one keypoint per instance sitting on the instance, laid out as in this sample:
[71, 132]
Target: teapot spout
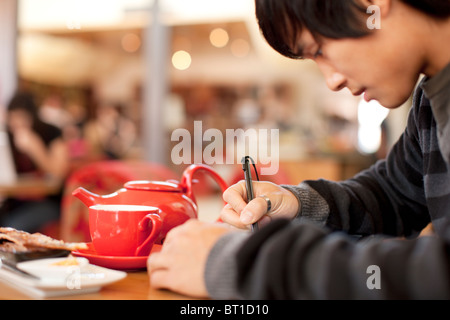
[87, 197]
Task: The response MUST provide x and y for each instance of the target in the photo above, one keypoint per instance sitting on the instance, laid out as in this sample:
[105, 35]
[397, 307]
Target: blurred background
[139, 69]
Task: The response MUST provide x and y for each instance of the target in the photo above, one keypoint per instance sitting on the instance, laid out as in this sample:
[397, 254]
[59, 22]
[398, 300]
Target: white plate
[55, 268]
[89, 278]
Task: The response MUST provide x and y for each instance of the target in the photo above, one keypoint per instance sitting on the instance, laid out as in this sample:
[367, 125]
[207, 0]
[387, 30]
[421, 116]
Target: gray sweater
[357, 239]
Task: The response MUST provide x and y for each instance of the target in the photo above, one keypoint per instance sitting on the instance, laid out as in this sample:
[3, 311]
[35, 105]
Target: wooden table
[30, 186]
[135, 286]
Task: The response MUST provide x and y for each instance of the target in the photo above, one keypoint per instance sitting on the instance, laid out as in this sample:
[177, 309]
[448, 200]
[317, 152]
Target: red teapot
[174, 199]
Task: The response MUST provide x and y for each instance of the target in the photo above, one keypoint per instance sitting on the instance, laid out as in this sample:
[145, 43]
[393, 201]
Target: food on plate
[17, 241]
[70, 261]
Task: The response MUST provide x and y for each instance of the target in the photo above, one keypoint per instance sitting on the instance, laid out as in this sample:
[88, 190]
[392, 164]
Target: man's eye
[318, 53]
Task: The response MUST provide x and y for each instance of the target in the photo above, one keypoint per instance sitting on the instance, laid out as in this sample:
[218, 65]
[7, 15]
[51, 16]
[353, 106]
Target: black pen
[248, 184]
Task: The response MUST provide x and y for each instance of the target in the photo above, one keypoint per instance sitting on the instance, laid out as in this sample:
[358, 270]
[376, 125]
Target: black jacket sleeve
[292, 260]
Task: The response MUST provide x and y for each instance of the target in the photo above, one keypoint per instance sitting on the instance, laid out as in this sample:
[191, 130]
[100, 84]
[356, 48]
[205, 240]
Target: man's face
[384, 65]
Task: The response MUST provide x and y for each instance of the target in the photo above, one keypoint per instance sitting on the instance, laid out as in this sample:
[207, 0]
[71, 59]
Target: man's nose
[335, 80]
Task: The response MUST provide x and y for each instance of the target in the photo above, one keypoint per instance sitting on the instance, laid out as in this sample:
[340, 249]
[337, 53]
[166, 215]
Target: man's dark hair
[281, 21]
[436, 8]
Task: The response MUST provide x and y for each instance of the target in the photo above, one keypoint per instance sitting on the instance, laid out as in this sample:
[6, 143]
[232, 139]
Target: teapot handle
[186, 180]
[156, 222]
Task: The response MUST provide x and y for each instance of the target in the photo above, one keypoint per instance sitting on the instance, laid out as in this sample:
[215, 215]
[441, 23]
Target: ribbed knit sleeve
[298, 260]
[221, 267]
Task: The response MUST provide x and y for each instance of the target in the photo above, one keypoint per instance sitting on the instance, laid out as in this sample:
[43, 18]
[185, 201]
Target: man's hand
[180, 265]
[240, 214]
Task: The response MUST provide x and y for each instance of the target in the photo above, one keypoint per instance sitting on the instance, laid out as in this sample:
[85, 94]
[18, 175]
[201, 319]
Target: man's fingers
[155, 262]
[235, 195]
[254, 211]
[157, 271]
[160, 279]
[238, 212]
[229, 215]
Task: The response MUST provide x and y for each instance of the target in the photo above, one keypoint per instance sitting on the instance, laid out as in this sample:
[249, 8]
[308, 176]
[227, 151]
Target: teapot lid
[145, 185]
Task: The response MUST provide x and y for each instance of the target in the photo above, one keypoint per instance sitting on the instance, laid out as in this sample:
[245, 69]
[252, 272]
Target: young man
[355, 239]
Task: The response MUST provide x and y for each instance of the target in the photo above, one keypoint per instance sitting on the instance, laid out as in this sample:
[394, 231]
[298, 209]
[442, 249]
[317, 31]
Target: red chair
[102, 177]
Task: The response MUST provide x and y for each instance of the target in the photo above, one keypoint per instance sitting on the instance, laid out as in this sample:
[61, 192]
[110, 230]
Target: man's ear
[383, 5]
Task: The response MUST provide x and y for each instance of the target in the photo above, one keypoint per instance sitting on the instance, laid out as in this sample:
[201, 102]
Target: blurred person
[52, 111]
[76, 143]
[354, 239]
[110, 134]
[73, 134]
[38, 149]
